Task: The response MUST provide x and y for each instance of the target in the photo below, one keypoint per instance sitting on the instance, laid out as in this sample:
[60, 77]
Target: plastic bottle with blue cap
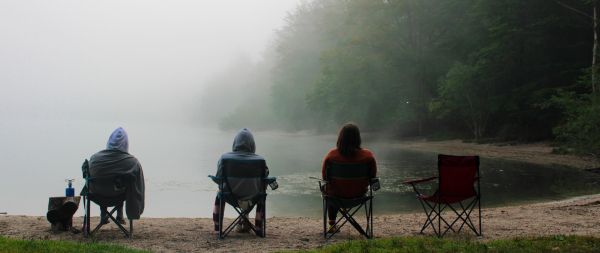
[70, 191]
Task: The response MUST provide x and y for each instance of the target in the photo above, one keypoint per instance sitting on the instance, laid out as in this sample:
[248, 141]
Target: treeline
[473, 69]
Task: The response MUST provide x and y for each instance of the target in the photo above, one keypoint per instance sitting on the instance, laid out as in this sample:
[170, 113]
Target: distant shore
[574, 216]
[537, 153]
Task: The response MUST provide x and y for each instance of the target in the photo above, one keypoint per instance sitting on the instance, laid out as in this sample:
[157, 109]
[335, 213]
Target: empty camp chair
[458, 184]
[116, 184]
[348, 207]
[242, 185]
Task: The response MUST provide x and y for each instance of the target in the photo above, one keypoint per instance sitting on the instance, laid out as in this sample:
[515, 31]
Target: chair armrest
[217, 180]
[321, 182]
[374, 183]
[272, 182]
[421, 180]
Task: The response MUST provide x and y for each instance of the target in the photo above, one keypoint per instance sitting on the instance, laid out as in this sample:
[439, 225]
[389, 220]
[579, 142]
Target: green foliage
[476, 68]
[428, 244]
[298, 47]
[463, 93]
[580, 132]
[34, 246]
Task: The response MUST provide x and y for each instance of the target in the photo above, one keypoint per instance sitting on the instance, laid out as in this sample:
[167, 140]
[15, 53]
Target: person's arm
[373, 166]
[324, 167]
[219, 168]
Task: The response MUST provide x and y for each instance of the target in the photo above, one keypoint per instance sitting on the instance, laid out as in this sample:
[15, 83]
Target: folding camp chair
[457, 179]
[348, 207]
[117, 183]
[243, 185]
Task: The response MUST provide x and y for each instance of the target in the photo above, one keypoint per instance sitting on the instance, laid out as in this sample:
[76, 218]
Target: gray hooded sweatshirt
[116, 161]
[243, 153]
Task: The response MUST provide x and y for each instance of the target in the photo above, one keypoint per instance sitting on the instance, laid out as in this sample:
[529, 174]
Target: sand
[538, 153]
[574, 216]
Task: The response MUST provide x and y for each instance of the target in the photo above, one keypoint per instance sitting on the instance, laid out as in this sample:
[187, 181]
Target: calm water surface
[37, 156]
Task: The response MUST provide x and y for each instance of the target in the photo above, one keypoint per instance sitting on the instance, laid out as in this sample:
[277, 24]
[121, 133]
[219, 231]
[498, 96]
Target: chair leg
[113, 219]
[439, 220]
[355, 224]
[467, 219]
[325, 218]
[220, 217]
[371, 218]
[130, 229]
[479, 205]
[347, 216]
[241, 218]
[264, 221]
[86, 218]
[431, 215]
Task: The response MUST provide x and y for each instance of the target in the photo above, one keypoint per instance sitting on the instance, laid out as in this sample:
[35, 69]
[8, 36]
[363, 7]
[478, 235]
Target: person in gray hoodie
[116, 160]
[243, 149]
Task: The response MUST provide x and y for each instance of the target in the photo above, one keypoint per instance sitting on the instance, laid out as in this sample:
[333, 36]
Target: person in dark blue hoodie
[243, 149]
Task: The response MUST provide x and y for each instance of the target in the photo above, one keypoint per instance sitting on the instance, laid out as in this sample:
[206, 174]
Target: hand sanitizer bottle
[70, 191]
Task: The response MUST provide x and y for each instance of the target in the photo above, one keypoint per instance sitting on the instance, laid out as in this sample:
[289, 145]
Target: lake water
[37, 156]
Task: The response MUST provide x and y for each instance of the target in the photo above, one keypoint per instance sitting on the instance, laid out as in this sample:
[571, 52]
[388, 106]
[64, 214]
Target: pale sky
[120, 59]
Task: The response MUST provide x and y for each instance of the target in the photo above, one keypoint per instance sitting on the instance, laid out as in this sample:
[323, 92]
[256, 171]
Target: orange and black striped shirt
[349, 188]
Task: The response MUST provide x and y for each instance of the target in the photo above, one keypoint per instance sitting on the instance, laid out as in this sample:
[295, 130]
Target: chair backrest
[244, 178]
[457, 175]
[348, 171]
[108, 185]
[347, 180]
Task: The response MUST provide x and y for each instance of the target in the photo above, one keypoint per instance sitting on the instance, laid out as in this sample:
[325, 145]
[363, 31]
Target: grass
[571, 244]
[33, 246]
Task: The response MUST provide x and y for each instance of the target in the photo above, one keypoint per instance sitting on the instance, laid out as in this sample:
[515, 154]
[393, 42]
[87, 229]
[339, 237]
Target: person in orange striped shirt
[348, 151]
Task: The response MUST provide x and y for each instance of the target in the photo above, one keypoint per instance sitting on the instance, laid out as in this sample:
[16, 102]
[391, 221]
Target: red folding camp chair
[458, 184]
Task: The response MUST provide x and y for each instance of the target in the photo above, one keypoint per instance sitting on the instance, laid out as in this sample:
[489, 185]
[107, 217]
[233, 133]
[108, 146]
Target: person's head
[118, 140]
[348, 142]
[244, 142]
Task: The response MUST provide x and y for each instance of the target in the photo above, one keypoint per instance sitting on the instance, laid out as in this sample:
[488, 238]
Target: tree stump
[61, 211]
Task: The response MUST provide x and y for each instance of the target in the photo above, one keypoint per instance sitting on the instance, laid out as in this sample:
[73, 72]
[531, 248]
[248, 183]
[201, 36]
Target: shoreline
[573, 216]
[536, 153]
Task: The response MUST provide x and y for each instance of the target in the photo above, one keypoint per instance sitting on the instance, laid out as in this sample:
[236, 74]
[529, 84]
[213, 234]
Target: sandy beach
[574, 216]
[538, 153]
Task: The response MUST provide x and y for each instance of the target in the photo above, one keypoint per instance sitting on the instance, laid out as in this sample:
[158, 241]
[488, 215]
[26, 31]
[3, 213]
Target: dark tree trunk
[595, 47]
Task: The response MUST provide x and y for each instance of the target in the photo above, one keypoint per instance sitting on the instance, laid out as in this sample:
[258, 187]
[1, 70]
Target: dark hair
[348, 142]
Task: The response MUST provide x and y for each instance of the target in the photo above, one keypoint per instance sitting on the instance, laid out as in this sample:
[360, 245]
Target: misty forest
[477, 70]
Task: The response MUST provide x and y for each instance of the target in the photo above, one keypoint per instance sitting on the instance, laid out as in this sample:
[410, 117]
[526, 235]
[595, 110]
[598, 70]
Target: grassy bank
[34, 246]
[574, 244]
[571, 244]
